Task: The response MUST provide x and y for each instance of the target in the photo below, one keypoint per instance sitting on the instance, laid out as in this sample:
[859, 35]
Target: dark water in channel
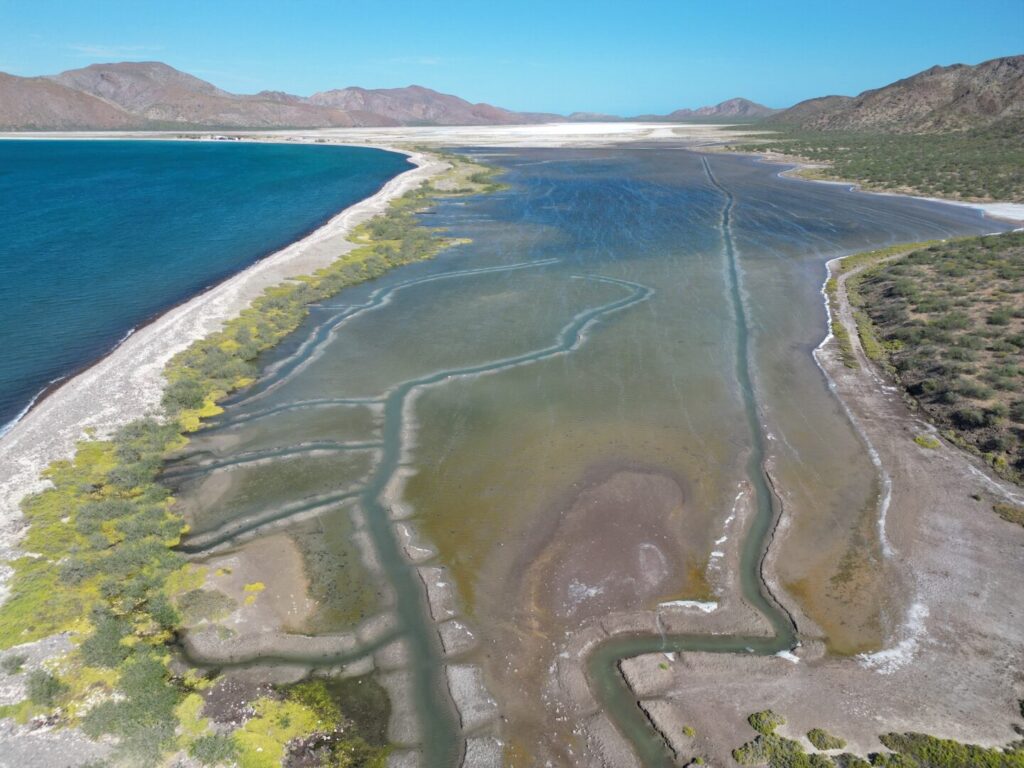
[616, 307]
[97, 237]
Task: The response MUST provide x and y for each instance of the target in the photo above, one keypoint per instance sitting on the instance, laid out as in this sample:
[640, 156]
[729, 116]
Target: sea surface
[573, 409]
[97, 237]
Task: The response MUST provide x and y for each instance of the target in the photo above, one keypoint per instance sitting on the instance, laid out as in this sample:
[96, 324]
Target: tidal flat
[603, 363]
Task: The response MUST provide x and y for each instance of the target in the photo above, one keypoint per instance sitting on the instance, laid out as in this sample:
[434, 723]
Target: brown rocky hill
[950, 98]
[163, 95]
[416, 105]
[155, 95]
[39, 104]
[731, 109]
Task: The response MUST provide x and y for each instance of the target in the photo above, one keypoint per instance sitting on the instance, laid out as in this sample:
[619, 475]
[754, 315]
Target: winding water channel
[560, 412]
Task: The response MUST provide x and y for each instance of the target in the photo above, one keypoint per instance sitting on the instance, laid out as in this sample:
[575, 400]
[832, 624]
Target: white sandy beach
[127, 383]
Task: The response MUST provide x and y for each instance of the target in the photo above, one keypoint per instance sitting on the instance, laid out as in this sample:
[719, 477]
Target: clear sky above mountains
[558, 55]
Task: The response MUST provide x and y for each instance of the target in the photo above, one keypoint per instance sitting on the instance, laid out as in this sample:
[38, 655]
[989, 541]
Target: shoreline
[55, 384]
[127, 382]
[1000, 210]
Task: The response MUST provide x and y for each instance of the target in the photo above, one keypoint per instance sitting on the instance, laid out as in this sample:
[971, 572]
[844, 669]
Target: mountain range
[949, 98]
[153, 95]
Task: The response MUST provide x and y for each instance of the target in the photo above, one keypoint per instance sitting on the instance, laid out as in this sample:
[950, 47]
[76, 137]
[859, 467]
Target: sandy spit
[127, 384]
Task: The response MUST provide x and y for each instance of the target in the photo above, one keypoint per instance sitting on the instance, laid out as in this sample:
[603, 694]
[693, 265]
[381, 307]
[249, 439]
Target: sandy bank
[1004, 211]
[128, 383]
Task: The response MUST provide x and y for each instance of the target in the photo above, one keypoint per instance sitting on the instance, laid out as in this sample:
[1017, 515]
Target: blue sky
[558, 55]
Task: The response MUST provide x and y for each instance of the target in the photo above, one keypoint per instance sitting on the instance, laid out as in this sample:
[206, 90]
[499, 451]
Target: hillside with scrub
[981, 164]
[948, 320]
[955, 132]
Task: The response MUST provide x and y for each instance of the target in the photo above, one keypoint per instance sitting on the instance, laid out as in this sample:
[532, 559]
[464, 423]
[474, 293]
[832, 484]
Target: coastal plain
[557, 450]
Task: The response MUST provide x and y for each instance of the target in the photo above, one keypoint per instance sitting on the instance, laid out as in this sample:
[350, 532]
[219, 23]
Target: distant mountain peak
[736, 108]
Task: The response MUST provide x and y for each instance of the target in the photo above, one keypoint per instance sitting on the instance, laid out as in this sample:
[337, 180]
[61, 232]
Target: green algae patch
[262, 740]
[309, 725]
[201, 605]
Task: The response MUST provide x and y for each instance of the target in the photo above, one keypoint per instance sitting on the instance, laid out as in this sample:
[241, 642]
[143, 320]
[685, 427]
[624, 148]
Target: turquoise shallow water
[97, 237]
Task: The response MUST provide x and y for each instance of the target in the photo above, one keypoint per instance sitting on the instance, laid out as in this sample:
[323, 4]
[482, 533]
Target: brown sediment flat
[619, 545]
[614, 542]
[281, 602]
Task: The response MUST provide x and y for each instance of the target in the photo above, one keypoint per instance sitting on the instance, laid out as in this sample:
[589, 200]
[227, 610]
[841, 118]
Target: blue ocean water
[96, 237]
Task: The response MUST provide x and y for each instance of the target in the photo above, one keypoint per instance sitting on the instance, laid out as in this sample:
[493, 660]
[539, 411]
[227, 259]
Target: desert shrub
[1001, 316]
[822, 739]
[766, 721]
[968, 418]
[44, 688]
[13, 662]
[930, 752]
[1017, 411]
[973, 390]
[213, 749]
[103, 647]
[1012, 514]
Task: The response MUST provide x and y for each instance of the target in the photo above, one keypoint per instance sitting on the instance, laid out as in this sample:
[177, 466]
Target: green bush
[103, 647]
[1010, 512]
[930, 752]
[766, 721]
[13, 662]
[213, 749]
[144, 719]
[822, 739]
[44, 689]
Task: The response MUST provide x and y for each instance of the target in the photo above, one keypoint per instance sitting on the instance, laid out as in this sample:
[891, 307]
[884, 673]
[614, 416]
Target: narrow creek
[603, 666]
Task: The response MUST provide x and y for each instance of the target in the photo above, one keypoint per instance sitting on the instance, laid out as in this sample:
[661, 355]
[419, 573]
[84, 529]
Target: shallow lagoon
[570, 375]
